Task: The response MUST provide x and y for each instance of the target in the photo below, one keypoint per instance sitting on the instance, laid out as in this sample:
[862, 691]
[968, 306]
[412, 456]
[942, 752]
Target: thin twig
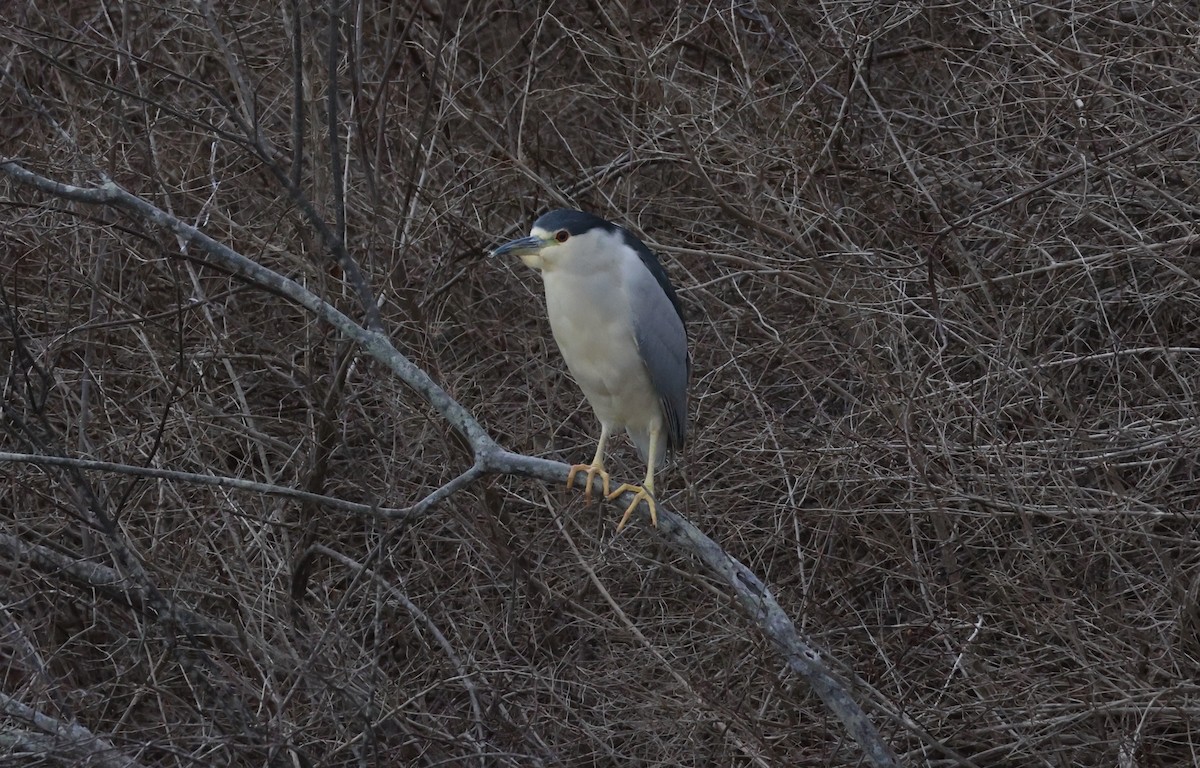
[216, 481]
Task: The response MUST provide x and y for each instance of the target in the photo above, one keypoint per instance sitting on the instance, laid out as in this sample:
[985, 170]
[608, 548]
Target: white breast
[593, 330]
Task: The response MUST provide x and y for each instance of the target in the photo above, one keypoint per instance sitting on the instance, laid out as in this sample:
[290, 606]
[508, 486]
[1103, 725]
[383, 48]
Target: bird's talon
[592, 470]
[639, 494]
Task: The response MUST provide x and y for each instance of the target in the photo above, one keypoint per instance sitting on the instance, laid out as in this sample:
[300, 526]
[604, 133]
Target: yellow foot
[639, 494]
[592, 470]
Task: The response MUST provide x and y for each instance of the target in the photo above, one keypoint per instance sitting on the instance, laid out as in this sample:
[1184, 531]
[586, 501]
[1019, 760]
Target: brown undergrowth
[940, 267]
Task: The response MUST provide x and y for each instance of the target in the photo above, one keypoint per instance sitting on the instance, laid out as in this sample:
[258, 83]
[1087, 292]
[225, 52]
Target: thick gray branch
[64, 737]
[754, 597]
[375, 343]
[490, 458]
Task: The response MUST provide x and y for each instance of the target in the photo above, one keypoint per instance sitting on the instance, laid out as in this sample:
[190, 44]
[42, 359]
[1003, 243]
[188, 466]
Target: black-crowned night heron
[618, 324]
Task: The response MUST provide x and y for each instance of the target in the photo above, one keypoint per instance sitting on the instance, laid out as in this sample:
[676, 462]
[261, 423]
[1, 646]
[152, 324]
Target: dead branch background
[957, 434]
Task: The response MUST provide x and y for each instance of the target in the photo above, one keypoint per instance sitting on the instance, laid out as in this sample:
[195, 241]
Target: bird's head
[557, 237]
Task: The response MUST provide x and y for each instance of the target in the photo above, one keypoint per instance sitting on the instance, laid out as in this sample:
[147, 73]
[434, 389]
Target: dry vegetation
[940, 264]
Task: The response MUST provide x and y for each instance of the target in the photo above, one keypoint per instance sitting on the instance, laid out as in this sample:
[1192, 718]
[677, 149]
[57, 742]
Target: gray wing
[661, 342]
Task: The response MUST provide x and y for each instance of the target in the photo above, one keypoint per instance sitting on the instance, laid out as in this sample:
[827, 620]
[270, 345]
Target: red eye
[562, 235]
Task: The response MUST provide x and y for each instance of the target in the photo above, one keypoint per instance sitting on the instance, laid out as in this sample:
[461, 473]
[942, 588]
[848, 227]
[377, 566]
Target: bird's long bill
[522, 246]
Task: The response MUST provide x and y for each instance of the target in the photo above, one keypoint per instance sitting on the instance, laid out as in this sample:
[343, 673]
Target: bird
[620, 328]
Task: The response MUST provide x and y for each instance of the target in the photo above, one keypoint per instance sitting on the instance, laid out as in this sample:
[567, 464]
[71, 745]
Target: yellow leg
[593, 469]
[643, 492]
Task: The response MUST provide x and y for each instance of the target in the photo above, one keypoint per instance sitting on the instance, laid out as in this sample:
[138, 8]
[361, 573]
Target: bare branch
[758, 602]
[69, 738]
[226, 258]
